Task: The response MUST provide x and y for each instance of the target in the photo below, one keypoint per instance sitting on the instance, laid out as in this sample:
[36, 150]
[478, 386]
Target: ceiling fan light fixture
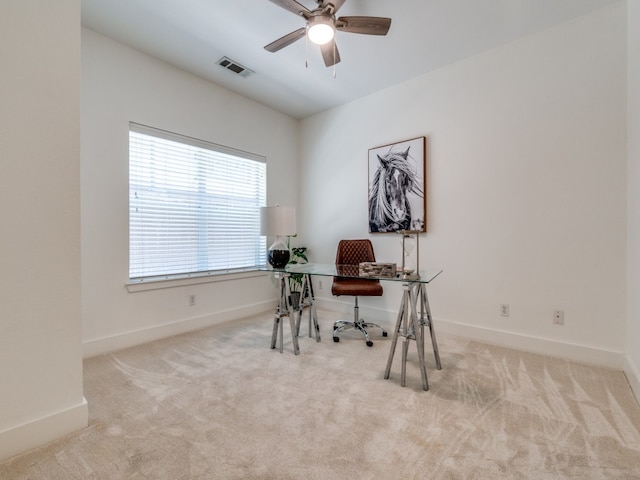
[321, 31]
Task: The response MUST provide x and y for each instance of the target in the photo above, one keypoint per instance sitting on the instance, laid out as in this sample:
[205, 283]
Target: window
[194, 207]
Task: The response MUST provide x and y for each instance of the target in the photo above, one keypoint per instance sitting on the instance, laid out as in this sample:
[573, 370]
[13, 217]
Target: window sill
[193, 279]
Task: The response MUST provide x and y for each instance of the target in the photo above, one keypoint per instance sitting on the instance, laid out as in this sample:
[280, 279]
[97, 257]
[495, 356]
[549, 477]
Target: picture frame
[397, 187]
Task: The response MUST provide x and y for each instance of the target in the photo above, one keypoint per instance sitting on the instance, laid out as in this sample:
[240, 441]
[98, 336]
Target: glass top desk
[413, 315]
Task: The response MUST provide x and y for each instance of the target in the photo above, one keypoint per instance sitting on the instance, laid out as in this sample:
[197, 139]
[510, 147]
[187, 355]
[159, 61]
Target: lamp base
[278, 258]
[278, 254]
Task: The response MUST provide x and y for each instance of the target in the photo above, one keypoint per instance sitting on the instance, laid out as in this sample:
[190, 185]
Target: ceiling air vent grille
[235, 67]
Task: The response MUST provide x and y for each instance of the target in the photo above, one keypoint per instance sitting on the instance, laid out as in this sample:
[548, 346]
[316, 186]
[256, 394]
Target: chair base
[356, 324]
[341, 325]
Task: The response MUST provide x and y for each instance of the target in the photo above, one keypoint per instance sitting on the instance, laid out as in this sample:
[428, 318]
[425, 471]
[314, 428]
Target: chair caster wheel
[336, 339]
[384, 334]
[369, 343]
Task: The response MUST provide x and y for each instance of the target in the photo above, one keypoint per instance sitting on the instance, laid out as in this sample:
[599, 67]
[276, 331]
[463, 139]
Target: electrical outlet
[192, 300]
[558, 317]
[504, 310]
[319, 284]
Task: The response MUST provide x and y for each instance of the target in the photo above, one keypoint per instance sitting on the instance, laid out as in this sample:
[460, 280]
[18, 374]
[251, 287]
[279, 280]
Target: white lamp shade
[278, 221]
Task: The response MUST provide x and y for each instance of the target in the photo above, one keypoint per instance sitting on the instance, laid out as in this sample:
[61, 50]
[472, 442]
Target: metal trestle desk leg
[425, 310]
[410, 326]
[307, 300]
[284, 310]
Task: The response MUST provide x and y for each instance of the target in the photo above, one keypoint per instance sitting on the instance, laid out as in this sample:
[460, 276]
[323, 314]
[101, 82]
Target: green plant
[298, 255]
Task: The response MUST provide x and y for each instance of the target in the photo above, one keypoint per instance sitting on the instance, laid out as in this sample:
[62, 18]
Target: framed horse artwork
[397, 197]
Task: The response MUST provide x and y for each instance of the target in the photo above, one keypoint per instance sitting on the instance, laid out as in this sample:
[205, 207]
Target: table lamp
[279, 222]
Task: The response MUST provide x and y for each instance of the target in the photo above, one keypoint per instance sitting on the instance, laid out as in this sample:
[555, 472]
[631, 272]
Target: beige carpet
[220, 404]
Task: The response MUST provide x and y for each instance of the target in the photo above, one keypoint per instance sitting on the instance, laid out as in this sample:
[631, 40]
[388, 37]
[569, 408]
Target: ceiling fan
[322, 25]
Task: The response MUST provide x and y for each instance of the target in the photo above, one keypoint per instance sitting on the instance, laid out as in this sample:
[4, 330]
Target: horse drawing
[389, 206]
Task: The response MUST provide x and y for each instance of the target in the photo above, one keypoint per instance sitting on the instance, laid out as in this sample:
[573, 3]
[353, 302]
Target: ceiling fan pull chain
[306, 48]
[334, 59]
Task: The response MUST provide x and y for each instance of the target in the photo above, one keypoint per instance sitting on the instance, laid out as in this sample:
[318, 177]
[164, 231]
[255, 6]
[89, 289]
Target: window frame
[166, 280]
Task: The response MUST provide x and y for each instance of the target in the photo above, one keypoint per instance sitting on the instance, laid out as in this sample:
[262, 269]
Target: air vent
[235, 67]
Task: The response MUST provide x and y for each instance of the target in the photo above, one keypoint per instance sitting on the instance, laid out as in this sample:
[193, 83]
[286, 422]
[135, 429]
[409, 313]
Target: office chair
[348, 257]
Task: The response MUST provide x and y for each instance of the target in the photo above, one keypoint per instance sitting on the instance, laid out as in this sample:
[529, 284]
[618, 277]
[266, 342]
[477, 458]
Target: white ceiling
[424, 35]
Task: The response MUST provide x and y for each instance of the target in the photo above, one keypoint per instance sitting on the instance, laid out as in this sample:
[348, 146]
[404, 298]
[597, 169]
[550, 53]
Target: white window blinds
[194, 207]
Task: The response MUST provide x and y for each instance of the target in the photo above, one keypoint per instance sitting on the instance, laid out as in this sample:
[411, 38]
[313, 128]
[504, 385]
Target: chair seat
[356, 287]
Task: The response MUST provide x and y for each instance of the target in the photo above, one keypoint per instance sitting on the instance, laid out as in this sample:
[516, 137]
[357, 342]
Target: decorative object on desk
[410, 254]
[397, 199]
[298, 255]
[280, 222]
[376, 269]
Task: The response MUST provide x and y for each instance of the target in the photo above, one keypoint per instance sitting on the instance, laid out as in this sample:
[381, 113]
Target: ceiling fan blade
[366, 25]
[330, 53]
[292, 6]
[287, 40]
[335, 5]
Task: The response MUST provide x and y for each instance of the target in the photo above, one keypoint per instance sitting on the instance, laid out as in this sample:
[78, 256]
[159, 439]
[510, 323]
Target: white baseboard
[632, 372]
[543, 346]
[25, 437]
[100, 346]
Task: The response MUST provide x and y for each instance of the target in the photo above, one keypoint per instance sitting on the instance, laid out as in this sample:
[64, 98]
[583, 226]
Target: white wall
[119, 85]
[526, 187]
[633, 183]
[40, 350]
